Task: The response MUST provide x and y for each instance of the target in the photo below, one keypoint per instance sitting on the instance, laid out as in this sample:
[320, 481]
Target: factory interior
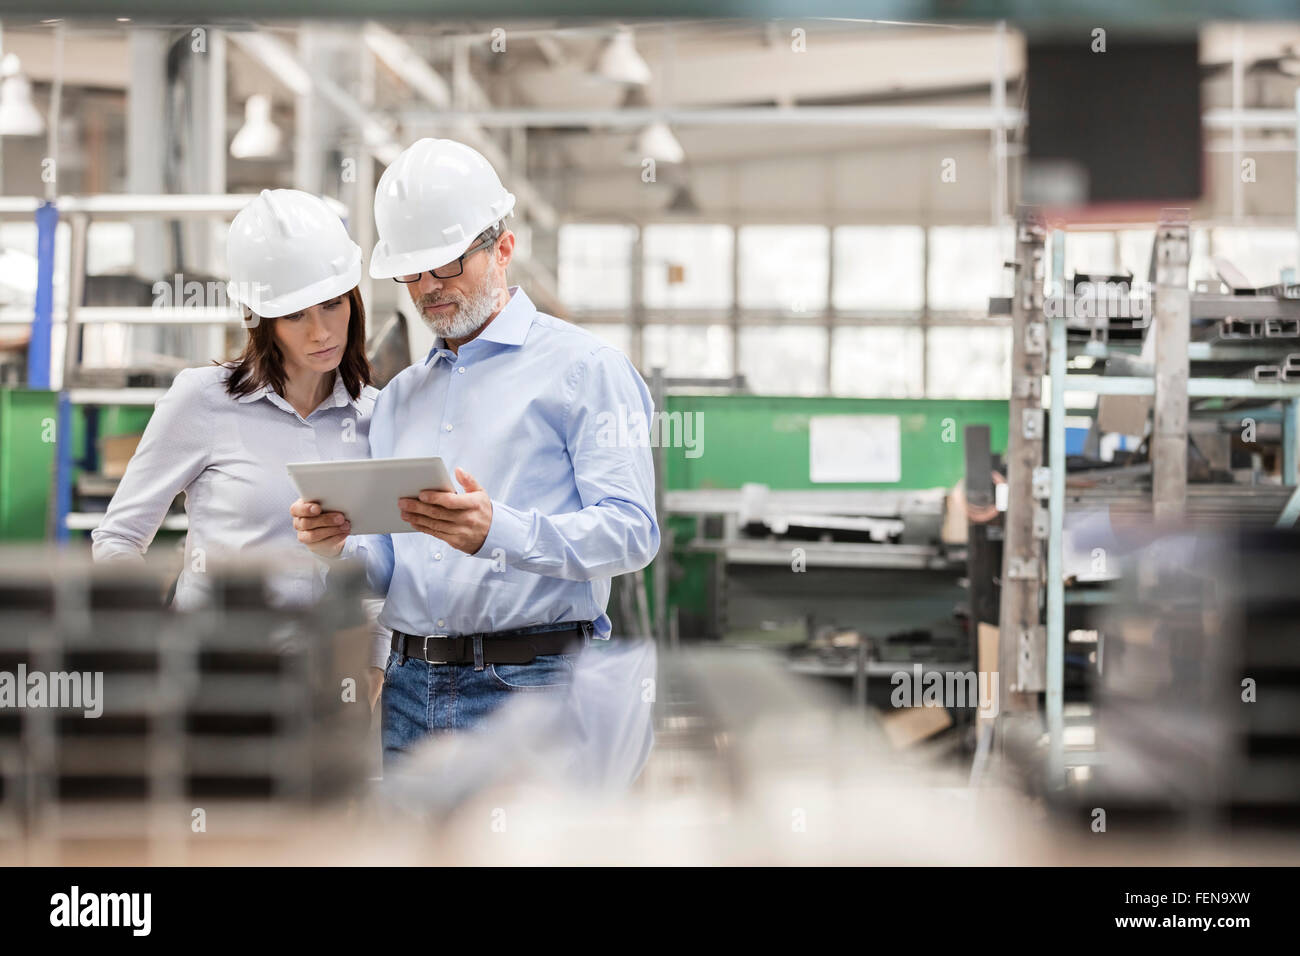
[955, 525]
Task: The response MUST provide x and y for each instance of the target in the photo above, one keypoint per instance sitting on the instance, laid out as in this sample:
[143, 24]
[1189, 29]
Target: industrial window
[784, 267]
[1095, 252]
[784, 359]
[687, 266]
[1131, 254]
[969, 363]
[879, 268]
[687, 349]
[876, 362]
[595, 265]
[18, 280]
[1135, 252]
[1200, 266]
[619, 336]
[109, 251]
[1261, 254]
[966, 266]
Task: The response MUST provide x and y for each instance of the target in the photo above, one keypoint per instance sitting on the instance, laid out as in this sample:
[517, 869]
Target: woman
[299, 392]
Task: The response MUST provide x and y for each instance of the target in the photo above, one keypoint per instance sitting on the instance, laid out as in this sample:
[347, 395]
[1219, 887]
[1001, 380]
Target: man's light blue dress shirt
[554, 425]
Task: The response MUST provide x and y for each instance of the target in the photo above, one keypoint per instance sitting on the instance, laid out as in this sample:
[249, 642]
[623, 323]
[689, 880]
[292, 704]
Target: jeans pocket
[388, 667]
[551, 672]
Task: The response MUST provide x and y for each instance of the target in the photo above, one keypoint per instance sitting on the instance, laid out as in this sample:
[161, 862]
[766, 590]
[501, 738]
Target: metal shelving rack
[80, 211]
[1172, 386]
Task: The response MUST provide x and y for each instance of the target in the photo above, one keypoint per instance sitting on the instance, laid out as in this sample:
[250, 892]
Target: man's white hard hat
[431, 203]
[287, 250]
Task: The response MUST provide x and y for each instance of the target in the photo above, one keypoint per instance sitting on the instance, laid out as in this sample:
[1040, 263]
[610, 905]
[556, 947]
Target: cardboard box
[907, 726]
[114, 453]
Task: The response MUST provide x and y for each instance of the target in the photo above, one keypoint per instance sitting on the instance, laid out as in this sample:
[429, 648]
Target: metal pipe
[56, 104]
[113, 205]
[1238, 102]
[877, 117]
[1196, 387]
[78, 242]
[1228, 119]
[867, 117]
[999, 133]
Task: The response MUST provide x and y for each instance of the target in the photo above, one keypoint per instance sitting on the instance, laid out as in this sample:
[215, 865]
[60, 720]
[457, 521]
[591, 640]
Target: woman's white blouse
[228, 456]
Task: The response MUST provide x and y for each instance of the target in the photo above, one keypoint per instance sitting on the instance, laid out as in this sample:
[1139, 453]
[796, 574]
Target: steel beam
[1022, 564]
[1055, 702]
[1172, 331]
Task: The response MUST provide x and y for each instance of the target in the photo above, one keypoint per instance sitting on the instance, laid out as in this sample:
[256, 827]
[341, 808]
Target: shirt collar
[510, 327]
[337, 399]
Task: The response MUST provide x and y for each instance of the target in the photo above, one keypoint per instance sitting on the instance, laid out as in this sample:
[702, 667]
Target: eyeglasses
[451, 269]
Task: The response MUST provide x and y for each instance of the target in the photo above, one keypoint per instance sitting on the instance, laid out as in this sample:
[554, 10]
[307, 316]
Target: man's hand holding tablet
[462, 520]
[360, 496]
[387, 496]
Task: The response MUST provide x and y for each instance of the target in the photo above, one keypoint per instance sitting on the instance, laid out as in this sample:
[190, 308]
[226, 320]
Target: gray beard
[470, 315]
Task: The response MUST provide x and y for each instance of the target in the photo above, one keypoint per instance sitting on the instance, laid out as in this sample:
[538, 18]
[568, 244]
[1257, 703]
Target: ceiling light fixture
[657, 142]
[258, 138]
[18, 114]
[620, 62]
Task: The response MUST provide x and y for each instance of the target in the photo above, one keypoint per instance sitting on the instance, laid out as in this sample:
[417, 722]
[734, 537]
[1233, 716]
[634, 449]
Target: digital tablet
[367, 489]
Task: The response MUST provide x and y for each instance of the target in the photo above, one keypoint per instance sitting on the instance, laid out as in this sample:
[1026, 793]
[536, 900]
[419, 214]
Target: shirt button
[438, 556]
[461, 370]
[448, 427]
[441, 622]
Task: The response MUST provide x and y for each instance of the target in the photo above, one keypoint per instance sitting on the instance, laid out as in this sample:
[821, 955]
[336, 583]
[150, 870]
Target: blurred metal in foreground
[596, 737]
[750, 765]
[1199, 698]
[235, 711]
[216, 723]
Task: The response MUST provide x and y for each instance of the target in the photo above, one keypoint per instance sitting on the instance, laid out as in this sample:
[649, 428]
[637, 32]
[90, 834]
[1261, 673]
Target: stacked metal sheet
[120, 717]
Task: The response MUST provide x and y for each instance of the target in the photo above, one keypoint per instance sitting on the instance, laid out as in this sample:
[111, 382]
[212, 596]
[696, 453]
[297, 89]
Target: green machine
[761, 438]
[28, 419]
[716, 444]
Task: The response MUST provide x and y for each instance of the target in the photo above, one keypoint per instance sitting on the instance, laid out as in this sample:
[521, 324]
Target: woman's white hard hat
[288, 250]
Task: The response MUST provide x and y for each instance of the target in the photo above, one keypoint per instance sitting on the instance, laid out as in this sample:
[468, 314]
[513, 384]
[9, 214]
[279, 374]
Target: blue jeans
[421, 699]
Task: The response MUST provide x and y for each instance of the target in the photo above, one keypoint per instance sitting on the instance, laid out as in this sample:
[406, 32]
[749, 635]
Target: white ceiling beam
[95, 61]
[878, 62]
[410, 67]
[284, 63]
[551, 48]
[398, 55]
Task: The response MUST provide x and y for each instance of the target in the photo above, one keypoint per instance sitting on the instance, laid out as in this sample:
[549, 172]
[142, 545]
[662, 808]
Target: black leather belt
[499, 647]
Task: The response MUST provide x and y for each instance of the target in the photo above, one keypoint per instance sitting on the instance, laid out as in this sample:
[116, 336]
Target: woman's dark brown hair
[262, 364]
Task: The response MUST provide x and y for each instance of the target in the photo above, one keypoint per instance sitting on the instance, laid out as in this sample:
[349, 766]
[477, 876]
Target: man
[505, 582]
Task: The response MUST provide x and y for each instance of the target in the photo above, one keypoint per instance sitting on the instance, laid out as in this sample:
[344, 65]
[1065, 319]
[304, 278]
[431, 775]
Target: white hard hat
[432, 202]
[287, 250]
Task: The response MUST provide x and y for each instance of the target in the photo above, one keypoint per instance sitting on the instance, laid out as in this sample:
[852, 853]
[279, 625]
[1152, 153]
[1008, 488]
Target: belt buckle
[425, 648]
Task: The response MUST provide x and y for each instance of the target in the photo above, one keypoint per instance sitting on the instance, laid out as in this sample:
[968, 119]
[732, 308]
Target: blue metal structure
[39, 350]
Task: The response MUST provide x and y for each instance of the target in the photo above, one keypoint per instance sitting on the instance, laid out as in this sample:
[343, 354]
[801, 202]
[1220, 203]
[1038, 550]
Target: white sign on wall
[855, 448]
